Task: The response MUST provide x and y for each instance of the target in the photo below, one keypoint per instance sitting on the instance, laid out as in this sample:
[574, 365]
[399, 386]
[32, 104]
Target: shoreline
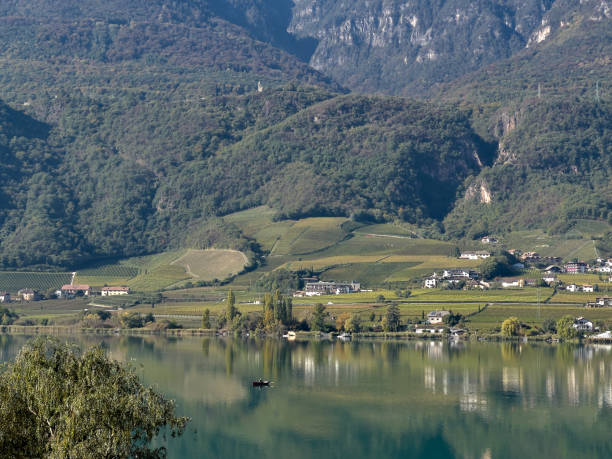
[191, 332]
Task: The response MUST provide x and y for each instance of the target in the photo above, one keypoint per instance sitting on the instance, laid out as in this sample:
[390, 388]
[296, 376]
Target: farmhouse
[436, 317]
[330, 288]
[575, 268]
[475, 255]
[582, 324]
[112, 291]
[572, 288]
[76, 289]
[489, 240]
[27, 294]
[5, 297]
[588, 288]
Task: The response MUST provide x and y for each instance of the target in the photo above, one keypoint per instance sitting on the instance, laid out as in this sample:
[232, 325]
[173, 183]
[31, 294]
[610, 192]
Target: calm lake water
[376, 399]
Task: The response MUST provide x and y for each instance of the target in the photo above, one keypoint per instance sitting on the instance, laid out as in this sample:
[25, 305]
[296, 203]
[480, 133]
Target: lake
[375, 399]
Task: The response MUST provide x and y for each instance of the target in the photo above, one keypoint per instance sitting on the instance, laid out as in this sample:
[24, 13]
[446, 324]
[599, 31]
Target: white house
[5, 297]
[436, 317]
[582, 324]
[587, 288]
[549, 278]
[431, 282]
[514, 282]
[113, 291]
[420, 330]
[475, 255]
[572, 288]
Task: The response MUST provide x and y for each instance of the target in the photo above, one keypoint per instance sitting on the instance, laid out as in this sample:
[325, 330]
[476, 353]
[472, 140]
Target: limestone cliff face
[405, 46]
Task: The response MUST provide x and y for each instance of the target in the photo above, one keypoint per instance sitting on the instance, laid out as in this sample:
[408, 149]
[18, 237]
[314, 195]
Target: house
[27, 294]
[530, 256]
[550, 279]
[112, 291]
[475, 255]
[329, 288]
[582, 324]
[601, 302]
[552, 269]
[575, 267]
[457, 332]
[605, 335]
[431, 282]
[489, 240]
[433, 330]
[76, 289]
[605, 269]
[436, 317]
[456, 273]
[512, 282]
[5, 297]
[572, 288]
[587, 288]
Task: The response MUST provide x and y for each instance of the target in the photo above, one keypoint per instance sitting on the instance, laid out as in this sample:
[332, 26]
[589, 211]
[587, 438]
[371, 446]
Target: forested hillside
[131, 127]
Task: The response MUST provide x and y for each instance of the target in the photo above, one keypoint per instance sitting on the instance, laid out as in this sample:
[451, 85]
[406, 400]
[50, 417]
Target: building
[550, 279]
[431, 282]
[112, 291]
[575, 267]
[76, 289]
[601, 302]
[436, 317]
[455, 273]
[552, 269]
[587, 288]
[572, 288]
[330, 288]
[582, 324]
[433, 330]
[27, 294]
[489, 240]
[5, 297]
[475, 255]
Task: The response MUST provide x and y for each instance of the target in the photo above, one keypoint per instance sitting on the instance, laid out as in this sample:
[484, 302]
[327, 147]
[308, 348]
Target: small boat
[344, 336]
[261, 383]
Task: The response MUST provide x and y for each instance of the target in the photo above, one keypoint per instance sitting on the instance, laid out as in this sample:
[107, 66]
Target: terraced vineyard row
[14, 281]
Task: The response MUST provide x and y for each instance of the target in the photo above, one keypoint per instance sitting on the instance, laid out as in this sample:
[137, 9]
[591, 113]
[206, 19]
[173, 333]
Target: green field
[212, 264]
[495, 314]
[373, 274]
[569, 246]
[41, 281]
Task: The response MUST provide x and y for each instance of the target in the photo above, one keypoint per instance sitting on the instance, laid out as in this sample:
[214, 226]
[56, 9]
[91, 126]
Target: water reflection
[377, 398]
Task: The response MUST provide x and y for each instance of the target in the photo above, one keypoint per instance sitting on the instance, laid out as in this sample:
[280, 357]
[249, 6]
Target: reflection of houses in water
[512, 379]
[550, 385]
[605, 396]
[430, 379]
[435, 350]
[573, 389]
[471, 399]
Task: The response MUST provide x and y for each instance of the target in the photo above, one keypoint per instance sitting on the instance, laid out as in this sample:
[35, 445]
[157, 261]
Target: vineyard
[110, 271]
[14, 281]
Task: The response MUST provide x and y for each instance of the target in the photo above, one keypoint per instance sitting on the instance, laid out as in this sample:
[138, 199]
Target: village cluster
[66, 291]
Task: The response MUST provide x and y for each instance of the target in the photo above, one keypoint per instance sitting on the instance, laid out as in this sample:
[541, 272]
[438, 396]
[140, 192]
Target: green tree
[206, 319]
[353, 324]
[392, 318]
[57, 401]
[565, 327]
[511, 327]
[318, 317]
[231, 310]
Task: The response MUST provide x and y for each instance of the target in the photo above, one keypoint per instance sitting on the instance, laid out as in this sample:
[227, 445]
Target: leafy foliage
[59, 402]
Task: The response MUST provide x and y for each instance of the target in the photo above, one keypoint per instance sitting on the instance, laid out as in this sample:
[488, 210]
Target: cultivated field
[41, 281]
[212, 264]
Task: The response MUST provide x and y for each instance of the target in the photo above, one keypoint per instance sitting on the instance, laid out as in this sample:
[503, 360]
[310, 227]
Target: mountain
[139, 124]
[404, 48]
